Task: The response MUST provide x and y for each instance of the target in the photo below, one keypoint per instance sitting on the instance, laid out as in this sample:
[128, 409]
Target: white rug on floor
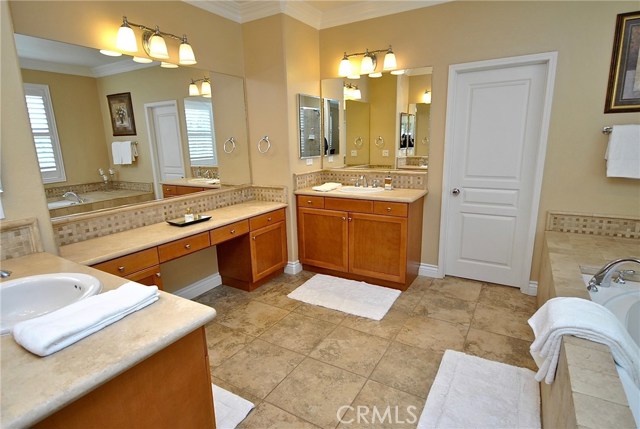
[230, 408]
[349, 296]
[471, 392]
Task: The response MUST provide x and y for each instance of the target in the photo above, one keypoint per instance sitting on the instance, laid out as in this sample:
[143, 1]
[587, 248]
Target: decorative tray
[182, 222]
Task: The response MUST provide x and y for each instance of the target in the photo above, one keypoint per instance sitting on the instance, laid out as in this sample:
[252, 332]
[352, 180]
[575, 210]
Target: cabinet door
[148, 277]
[323, 238]
[268, 250]
[378, 246]
[184, 190]
[169, 191]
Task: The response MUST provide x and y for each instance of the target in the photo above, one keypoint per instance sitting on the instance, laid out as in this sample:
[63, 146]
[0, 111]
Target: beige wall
[23, 194]
[383, 94]
[79, 124]
[458, 32]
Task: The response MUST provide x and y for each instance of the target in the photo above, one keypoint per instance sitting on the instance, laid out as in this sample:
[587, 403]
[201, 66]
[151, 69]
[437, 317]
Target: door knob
[455, 191]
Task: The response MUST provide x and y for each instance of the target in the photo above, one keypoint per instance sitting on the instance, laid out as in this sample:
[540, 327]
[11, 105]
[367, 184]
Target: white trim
[550, 59]
[293, 267]
[428, 270]
[201, 286]
[531, 289]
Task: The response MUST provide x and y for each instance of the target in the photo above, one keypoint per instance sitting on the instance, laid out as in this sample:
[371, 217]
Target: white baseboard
[428, 270]
[200, 287]
[531, 288]
[293, 267]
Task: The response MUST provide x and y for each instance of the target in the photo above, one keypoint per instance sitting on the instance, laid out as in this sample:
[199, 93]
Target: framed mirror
[79, 79]
[310, 137]
[331, 128]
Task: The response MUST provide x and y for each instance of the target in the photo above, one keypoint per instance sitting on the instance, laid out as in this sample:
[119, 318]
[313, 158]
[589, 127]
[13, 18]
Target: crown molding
[225, 9]
[370, 9]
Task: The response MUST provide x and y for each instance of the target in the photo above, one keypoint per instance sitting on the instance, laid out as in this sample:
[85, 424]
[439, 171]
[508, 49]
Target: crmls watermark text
[367, 415]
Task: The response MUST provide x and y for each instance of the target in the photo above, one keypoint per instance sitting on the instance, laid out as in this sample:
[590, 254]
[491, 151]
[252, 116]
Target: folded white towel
[326, 187]
[623, 152]
[585, 319]
[126, 154]
[231, 409]
[54, 331]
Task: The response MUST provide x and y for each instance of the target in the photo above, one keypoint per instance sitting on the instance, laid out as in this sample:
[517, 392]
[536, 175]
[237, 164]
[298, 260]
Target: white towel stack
[326, 187]
[585, 319]
[124, 153]
[623, 152]
[54, 331]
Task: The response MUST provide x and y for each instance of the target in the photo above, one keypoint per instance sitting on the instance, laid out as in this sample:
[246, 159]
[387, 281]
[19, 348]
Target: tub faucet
[5, 273]
[603, 276]
[74, 195]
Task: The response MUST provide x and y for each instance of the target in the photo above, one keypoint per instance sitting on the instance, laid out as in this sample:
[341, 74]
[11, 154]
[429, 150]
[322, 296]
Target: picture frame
[623, 89]
[121, 113]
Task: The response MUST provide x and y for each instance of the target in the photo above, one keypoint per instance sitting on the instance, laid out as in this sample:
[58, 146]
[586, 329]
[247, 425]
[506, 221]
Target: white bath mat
[230, 408]
[471, 392]
[349, 296]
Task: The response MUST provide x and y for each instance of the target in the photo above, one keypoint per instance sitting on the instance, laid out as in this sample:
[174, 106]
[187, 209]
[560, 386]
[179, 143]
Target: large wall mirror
[372, 111]
[210, 137]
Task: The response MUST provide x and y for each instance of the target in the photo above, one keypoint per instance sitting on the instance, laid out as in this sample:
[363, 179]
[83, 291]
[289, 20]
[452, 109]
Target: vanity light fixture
[142, 60]
[368, 63]
[110, 53]
[398, 72]
[426, 97]
[168, 65]
[351, 92]
[153, 42]
[205, 88]
[377, 74]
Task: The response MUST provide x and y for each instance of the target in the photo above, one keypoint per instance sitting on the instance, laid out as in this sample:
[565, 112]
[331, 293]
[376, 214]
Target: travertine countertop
[34, 387]
[90, 252]
[196, 183]
[395, 195]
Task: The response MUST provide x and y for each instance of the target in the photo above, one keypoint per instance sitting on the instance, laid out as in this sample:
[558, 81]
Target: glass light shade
[345, 68]
[168, 65]
[142, 60]
[398, 72]
[366, 66]
[426, 97]
[206, 95]
[110, 53]
[357, 94]
[378, 74]
[158, 47]
[126, 39]
[390, 61]
[193, 89]
[206, 88]
[187, 57]
[355, 76]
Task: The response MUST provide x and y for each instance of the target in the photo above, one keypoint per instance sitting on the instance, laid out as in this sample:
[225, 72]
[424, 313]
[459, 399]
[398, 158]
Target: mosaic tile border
[400, 179]
[593, 224]
[19, 238]
[83, 188]
[81, 227]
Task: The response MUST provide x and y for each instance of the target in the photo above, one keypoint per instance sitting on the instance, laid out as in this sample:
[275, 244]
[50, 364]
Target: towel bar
[607, 130]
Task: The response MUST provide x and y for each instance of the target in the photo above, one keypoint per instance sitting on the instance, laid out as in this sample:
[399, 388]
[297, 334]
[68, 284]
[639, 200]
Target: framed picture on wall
[121, 112]
[623, 91]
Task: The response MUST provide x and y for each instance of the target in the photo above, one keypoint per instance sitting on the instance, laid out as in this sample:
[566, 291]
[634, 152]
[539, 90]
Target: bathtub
[96, 200]
[624, 302]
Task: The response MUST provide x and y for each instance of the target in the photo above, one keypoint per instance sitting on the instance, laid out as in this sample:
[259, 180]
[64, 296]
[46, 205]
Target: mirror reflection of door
[310, 136]
[331, 127]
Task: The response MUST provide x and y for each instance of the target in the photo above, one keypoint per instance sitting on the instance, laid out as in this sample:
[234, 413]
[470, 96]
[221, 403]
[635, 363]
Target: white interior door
[497, 121]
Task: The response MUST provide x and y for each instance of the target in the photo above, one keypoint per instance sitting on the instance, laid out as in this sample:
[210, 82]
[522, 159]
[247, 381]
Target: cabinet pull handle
[344, 218]
[187, 246]
[309, 202]
[121, 269]
[350, 219]
[158, 275]
[269, 219]
[233, 231]
[388, 209]
[253, 238]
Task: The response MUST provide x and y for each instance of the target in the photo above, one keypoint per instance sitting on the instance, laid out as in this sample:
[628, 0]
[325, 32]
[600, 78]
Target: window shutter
[200, 133]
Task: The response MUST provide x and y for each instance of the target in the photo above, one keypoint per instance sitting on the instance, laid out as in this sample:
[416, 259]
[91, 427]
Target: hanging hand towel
[126, 153]
[623, 152]
[115, 153]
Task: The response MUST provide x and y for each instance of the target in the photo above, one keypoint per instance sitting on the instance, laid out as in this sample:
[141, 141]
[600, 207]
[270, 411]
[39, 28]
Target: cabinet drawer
[266, 219]
[129, 264]
[228, 232]
[391, 209]
[148, 277]
[184, 246]
[349, 205]
[169, 191]
[306, 201]
[184, 190]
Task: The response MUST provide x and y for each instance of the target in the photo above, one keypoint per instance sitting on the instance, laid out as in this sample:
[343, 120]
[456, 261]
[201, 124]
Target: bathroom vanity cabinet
[374, 241]
[142, 267]
[175, 190]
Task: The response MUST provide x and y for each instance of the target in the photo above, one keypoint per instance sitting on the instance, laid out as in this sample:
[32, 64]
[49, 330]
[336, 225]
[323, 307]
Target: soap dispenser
[188, 216]
[387, 182]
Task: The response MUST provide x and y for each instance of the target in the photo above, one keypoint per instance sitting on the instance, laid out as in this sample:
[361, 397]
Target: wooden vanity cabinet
[169, 191]
[142, 267]
[175, 190]
[374, 241]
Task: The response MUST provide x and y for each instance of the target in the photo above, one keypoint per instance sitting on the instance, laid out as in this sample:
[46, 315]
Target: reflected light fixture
[376, 74]
[142, 60]
[205, 88]
[398, 72]
[426, 97]
[166, 65]
[153, 42]
[351, 92]
[368, 64]
[110, 53]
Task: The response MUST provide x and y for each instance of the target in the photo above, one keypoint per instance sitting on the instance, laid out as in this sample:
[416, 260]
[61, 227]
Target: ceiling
[319, 14]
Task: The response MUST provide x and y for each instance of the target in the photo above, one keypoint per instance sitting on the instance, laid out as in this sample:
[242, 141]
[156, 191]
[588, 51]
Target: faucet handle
[620, 278]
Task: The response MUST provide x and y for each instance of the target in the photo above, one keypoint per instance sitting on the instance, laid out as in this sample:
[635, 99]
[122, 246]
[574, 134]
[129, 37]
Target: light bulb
[187, 57]
[126, 39]
[193, 89]
[157, 46]
[345, 68]
[426, 97]
[390, 60]
[142, 60]
[206, 88]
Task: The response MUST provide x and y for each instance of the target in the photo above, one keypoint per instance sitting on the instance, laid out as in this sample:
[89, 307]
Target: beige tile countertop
[395, 195]
[34, 387]
[90, 252]
[194, 182]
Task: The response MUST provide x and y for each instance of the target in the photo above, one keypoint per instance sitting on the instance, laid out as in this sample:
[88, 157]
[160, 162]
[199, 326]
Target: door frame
[153, 145]
[549, 59]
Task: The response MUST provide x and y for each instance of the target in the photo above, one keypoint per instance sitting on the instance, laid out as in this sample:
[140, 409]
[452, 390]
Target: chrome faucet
[363, 181]
[74, 195]
[603, 277]
[5, 273]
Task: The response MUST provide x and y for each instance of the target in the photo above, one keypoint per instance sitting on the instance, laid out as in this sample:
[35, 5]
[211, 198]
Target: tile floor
[305, 366]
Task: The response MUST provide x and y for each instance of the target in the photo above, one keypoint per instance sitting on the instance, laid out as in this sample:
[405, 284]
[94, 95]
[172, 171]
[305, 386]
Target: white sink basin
[205, 180]
[33, 296]
[359, 190]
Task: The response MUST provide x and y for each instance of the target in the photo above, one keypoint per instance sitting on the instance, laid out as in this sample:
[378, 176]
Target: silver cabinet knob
[455, 191]
[187, 246]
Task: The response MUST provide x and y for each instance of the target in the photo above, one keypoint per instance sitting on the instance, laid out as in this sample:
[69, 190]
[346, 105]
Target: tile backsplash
[83, 188]
[19, 238]
[400, 179]
[593, 224]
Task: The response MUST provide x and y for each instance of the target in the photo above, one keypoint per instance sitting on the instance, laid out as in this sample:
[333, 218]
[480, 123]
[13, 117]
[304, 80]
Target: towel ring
[266, 140]
[425, 140]
[357, 142]
[379, 141]
[232, 141]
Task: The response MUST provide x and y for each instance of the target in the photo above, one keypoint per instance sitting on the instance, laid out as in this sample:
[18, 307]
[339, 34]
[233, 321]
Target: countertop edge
[416, 194]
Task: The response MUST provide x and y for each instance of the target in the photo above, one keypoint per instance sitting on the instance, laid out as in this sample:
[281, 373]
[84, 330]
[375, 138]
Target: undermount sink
[359, 190]
[33, 296]
[205, 180]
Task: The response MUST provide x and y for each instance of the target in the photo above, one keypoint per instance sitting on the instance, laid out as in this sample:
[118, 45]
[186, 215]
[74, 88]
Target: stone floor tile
[503, 321]
[439, 306]
[387, 328]
[506, 296]
[275, 294]
[500, 348]
[432, 334]
[454, 287]
[224, 342]
[298, 333]
[267, 416]
[251, 317]
[322, 313]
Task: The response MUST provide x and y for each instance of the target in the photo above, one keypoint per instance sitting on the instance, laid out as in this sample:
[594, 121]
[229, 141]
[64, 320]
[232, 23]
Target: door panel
[168, 143]
[322, 237]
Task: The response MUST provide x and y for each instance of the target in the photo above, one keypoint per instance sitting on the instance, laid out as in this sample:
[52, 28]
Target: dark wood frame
[120, 105]
[623, 59]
